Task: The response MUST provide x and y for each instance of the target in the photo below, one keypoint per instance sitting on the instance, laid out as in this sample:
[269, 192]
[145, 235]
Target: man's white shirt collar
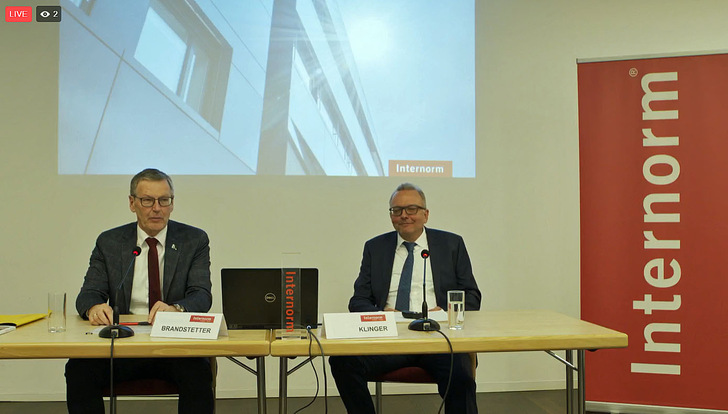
[421, 241]
[142, 237]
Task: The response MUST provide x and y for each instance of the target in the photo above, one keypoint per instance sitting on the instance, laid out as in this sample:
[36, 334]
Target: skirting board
[272, 391]
[405, 388]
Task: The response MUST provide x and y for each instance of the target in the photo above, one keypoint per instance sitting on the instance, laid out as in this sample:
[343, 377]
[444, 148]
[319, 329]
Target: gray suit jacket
[451, 270]
[186, 269]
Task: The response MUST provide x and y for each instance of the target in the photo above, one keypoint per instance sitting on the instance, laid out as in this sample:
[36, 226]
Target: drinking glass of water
[456, 309]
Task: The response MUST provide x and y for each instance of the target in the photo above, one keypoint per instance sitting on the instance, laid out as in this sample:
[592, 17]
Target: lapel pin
[174, 246]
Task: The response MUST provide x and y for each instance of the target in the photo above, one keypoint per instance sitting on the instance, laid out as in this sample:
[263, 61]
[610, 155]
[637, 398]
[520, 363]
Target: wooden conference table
[32, 341]
[485, 331]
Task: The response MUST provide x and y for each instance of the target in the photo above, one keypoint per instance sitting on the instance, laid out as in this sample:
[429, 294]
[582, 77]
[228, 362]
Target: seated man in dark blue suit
[378, 288]
[179, 256]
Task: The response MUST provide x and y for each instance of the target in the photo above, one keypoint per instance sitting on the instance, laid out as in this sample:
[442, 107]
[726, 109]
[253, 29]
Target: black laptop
[251, 298]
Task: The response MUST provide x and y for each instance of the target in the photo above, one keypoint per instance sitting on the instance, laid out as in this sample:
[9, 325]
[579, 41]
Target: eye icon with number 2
[48, 14]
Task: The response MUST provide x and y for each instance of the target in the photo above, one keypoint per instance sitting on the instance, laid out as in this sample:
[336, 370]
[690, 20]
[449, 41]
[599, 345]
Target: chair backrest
[412, 375]
[146, 386]
[154, 386]
[417, 375]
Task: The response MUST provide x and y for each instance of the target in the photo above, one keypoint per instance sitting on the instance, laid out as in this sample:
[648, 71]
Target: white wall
[520, 217]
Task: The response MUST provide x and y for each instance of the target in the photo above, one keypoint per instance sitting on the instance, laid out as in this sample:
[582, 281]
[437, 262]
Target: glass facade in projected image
[277, 87]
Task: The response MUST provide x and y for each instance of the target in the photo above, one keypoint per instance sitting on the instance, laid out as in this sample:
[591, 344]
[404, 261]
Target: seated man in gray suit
[172, 274]
[379, 288]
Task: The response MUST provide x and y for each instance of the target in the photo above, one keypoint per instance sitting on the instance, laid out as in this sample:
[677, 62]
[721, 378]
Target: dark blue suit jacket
[186, 269]
[451, 270]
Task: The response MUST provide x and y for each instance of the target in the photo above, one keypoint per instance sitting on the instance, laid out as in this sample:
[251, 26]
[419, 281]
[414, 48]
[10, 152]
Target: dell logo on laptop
[270, 297]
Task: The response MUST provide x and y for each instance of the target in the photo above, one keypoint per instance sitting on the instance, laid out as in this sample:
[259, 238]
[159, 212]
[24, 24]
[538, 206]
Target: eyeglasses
[149, 201]
[411, 210]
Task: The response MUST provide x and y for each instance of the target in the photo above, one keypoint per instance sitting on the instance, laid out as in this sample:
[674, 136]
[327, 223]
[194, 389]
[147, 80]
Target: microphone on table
[424, 323]
[115, 330]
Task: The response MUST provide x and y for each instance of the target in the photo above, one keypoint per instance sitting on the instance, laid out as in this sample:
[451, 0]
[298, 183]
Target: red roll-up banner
[653, 142]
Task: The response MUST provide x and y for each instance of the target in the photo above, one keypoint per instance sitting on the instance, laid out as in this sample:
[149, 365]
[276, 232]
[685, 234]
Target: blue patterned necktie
[405, 280]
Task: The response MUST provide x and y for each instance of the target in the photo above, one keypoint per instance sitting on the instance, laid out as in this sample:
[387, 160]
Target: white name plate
[359, 325]
[189, 325]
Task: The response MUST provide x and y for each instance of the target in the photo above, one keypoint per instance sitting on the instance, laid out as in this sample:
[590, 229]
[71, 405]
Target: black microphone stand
[116, 330]
[424, 323]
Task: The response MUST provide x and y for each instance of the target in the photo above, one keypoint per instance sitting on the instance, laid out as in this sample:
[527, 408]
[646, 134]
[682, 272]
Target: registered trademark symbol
[633, 72]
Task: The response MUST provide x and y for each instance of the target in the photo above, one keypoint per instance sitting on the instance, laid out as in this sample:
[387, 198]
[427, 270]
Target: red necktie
[155, 293]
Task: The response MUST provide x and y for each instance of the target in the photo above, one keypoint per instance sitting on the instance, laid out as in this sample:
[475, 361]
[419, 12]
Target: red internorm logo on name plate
[373, 318]
[202, 318]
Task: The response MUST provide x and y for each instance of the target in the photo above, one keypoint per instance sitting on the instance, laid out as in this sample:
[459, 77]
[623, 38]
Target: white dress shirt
[400, 255]
[140, 286]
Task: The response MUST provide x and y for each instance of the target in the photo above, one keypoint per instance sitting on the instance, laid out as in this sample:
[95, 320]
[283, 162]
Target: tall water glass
[456, 309]
[56, 312]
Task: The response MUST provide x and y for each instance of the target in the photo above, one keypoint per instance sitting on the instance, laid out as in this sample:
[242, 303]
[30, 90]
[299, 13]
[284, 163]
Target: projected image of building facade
[311, 92]
[213, 87]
